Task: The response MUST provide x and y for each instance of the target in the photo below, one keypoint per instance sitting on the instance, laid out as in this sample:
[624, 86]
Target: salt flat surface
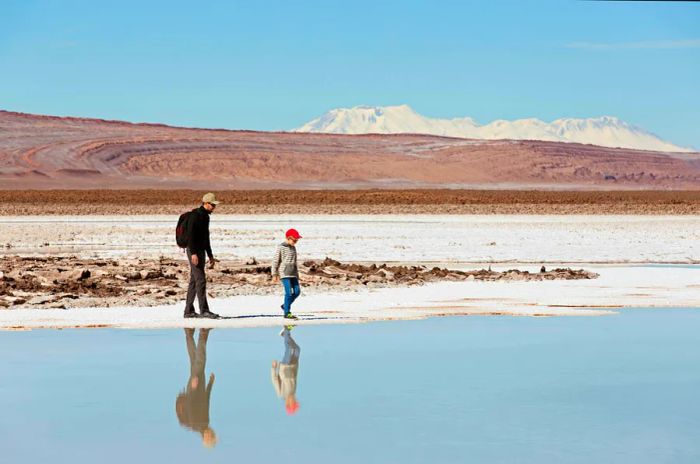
[506, 241]
[618, 286]
[409, 238]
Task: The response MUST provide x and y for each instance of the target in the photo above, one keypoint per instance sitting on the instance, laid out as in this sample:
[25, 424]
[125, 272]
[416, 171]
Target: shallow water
[620, 388]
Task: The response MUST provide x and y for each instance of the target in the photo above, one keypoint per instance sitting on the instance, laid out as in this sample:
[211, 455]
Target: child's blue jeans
[291, 293]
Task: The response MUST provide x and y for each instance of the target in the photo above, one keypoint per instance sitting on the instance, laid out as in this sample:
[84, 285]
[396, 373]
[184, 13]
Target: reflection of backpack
[182, 231]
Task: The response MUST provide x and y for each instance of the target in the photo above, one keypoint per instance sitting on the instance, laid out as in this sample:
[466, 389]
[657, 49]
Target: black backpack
[182, 231]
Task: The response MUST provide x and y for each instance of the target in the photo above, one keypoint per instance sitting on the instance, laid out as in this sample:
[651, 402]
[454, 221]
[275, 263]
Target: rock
[257, 279]
[40, 300]
[374, 278]
[14, 275]
[334, 271]
[251, 261]
[145, 275]
[543, 269]
[470, 277]
[121, 277]
[45, 282]
[78, 275]
[388, 275]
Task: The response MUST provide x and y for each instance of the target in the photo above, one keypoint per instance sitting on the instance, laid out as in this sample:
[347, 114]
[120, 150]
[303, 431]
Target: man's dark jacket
[199, 232]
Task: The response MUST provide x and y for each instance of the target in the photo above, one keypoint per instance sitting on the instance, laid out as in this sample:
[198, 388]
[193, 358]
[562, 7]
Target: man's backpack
[182, 231]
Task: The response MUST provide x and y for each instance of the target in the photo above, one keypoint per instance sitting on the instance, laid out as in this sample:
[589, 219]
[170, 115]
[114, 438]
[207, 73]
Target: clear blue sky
[276, 64]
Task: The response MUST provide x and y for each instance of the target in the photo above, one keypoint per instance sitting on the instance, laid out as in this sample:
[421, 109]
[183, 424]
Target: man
[198, 244]
[192, 404]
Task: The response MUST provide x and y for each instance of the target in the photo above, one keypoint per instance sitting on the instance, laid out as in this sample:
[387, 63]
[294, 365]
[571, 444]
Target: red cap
[292, 408]
[293, 233]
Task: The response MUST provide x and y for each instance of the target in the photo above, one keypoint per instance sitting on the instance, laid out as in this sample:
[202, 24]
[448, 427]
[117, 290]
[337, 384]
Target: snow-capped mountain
[606, 131]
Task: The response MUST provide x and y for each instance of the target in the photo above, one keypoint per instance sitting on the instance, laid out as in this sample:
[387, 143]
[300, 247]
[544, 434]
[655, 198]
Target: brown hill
[47, 152]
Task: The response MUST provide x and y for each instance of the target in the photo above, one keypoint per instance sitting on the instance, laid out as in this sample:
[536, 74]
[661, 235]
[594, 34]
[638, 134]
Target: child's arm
[276, 261]
[275, 378]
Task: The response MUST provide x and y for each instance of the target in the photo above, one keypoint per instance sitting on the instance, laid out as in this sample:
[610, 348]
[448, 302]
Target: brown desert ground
[46, 152]
[143, 202]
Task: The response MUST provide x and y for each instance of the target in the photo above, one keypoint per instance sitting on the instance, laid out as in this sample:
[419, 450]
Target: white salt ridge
[605, 131]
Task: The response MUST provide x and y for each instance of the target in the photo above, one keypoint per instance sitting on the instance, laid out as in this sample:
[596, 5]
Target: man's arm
[207, 242]
[207, 245]
[210, 384]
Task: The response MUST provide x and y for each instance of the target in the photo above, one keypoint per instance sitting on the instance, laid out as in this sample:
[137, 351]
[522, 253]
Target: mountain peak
[606, 131]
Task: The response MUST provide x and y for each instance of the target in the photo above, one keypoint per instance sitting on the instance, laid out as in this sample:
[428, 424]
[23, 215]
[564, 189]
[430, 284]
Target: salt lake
[620, 388]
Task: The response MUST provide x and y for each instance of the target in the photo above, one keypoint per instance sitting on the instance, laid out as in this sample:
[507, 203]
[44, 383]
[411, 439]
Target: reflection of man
[192, 405]
[284, 373]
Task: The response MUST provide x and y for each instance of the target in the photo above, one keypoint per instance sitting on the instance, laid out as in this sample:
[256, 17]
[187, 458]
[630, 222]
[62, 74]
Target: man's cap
[293, 233]
[210, 198]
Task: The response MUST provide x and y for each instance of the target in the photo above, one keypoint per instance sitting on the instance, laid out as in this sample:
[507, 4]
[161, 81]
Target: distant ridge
[45, 152]
[605, 131]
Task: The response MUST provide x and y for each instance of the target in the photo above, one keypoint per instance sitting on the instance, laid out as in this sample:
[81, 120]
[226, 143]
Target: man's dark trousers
[197, 286]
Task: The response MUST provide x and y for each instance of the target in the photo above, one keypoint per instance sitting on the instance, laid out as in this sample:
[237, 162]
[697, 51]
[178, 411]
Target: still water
[622, 388]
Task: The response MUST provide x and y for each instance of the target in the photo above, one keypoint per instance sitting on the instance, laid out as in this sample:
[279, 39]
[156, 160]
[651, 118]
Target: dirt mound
[412, 275]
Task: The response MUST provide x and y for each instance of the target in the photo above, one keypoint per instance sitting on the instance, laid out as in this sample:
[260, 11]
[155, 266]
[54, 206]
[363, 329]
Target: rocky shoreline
[71, 282]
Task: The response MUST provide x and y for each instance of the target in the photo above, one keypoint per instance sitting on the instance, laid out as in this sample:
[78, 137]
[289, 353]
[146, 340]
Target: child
[284, 373]
[284, 266]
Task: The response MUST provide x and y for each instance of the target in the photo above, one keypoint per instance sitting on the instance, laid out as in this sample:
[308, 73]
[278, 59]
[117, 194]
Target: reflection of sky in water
[608, 389]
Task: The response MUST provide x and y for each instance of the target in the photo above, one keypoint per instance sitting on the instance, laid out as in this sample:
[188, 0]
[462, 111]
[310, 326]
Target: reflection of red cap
[292, 408]
[293, 233]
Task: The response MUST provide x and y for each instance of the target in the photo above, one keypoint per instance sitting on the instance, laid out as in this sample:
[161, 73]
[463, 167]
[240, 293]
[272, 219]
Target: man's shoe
[210, 315]
[290, 316]
[191, 315]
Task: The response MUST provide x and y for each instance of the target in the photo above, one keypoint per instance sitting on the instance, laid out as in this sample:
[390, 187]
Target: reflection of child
[284, 266]
[284, 373]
